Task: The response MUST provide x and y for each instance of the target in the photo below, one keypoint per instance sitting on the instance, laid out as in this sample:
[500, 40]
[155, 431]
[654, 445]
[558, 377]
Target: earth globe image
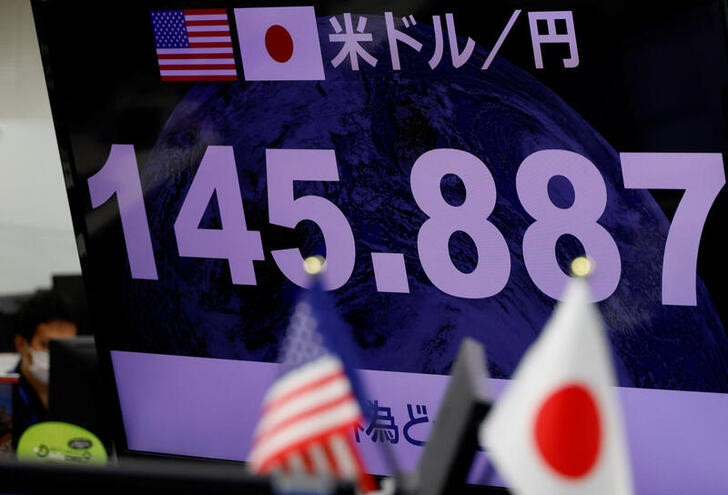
[379, 121]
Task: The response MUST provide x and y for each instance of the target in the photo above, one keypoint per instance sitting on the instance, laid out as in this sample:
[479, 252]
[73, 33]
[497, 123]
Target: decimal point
[390, 273]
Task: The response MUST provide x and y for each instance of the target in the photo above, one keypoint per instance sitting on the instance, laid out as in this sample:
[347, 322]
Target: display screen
[449, 161]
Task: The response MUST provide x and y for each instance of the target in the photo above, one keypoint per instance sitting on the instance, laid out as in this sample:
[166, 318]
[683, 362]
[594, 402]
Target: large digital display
[448, 161]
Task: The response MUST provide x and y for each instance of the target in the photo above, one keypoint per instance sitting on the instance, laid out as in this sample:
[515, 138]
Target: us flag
[194, 45]
[311, 411]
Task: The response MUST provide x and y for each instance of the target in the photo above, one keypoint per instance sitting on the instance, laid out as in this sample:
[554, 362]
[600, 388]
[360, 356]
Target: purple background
[215, 402]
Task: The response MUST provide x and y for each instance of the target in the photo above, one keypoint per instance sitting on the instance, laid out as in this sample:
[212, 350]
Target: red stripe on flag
[215, 44]
[197, 67]
[205, 11]
[303, 415]
[162, 56]
[302, 390]
[195, 34]
[267, 464]
[307, 461]
[199, 78]
[290, 464]
[366, 483]
[331, 459]
[206, 23]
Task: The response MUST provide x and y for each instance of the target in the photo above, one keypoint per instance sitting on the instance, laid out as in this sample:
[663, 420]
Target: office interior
[39, 249]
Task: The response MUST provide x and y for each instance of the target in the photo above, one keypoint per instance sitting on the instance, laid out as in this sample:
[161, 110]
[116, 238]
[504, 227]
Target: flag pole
[580, 267]
[315, 266]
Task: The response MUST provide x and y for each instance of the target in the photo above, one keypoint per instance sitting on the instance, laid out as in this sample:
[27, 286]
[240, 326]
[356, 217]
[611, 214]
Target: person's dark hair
[43, 307]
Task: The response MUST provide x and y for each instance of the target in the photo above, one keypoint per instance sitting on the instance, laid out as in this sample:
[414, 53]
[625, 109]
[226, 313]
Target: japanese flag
[557, 429]
[279, 44]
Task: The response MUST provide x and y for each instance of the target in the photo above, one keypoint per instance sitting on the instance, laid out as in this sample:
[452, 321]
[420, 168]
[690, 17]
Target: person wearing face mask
[40, 319]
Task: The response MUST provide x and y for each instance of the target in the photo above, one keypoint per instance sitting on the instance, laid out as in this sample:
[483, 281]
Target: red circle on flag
[279, 43]
[568, 431]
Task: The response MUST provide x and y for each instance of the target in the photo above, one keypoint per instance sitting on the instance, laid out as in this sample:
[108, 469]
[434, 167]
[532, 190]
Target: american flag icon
[194, 45]
[310, 412]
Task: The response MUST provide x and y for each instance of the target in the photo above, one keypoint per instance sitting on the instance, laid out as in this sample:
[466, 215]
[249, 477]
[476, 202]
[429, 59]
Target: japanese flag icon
[279, 44]
[557, 429]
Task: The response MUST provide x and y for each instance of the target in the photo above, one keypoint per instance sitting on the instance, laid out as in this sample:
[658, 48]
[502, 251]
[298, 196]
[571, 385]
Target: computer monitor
[71, 288]
[448, 160]
[76, 392]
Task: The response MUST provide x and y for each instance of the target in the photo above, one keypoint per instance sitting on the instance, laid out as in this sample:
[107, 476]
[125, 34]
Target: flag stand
[453, 442]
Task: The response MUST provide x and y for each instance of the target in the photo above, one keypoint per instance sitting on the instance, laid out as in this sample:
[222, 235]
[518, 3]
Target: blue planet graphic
[379, 121]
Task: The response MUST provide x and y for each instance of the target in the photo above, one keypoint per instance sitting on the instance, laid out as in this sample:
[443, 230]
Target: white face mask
[40, 367]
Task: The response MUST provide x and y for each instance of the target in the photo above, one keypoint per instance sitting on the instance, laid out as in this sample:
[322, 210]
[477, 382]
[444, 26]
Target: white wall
[36, 236]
